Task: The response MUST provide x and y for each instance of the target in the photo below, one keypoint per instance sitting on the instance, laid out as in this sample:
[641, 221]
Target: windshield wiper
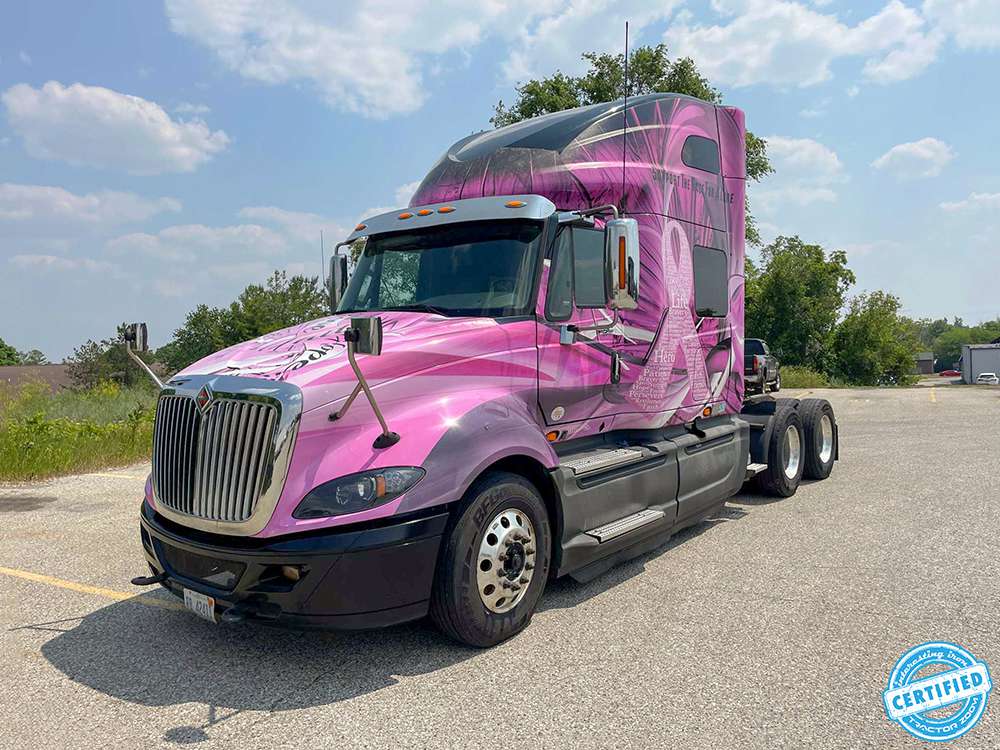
[420, 308]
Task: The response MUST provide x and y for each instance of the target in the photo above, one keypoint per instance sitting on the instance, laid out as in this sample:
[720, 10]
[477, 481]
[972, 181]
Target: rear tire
[777, 383]
[500, 528]
[784, 454]
[819, 428]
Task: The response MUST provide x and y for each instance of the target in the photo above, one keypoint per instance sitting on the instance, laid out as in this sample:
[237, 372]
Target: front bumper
[353, 577]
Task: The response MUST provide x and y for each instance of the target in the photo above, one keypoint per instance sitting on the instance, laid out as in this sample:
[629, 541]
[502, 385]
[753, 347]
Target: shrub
[44, 434]
[793, 376]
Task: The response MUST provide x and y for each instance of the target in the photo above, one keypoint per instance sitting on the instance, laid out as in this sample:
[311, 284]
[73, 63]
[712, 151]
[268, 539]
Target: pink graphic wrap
[466, 392]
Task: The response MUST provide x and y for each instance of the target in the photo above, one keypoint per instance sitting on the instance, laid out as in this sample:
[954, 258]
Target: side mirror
[137, 337]
[621, 237]
[367, 335]
[338, 280]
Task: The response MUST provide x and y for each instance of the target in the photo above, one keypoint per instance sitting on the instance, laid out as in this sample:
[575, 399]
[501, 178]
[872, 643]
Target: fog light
[291, 572]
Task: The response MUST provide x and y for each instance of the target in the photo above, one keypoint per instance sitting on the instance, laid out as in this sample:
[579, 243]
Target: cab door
[574, 379]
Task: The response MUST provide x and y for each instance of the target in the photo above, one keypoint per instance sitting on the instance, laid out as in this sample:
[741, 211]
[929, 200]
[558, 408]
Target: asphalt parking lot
[774, 624]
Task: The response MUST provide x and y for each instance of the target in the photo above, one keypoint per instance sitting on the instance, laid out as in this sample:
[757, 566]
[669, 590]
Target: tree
[650, 70]
[281, 302]
[33, 357]
[793, 300]
[100, 361]
[8, 354]
[202, 334]
[873, 344]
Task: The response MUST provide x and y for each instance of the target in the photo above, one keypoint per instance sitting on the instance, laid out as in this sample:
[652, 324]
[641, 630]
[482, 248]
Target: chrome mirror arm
[138, 360]
[387, 438]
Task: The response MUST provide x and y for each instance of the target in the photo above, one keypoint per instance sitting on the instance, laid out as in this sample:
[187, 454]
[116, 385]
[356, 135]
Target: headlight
[357, 492]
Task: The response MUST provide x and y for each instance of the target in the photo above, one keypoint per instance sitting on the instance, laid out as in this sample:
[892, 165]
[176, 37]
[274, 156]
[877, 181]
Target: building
[979, 358]
[923, 363]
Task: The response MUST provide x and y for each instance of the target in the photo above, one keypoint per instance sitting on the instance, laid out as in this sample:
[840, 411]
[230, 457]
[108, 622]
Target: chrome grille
[213, 465]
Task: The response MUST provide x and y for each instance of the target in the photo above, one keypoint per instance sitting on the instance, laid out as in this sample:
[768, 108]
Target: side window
[711, 283]
[588, 268]
[559, 297]
[701, 153]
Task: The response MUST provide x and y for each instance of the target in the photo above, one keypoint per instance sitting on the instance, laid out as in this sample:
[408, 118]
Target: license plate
[201, 605]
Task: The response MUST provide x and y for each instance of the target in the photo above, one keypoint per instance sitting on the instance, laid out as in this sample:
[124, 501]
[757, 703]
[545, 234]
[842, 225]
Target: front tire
[777, 383]
[494, 563]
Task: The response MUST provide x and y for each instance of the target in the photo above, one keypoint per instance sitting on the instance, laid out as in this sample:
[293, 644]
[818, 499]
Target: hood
[313, 355]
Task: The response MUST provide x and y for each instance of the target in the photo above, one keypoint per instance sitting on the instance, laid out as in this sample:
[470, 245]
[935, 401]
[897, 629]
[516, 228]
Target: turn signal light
[446, 209]
[515, 204]
[291, 572]
[621, 262]
[406, 215]
[707, 411]
[552, 436]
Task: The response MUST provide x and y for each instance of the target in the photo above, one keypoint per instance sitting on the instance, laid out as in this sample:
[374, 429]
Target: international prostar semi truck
[535, 370]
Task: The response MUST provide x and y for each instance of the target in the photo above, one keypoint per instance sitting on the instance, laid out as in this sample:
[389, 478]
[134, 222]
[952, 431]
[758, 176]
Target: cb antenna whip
[624, 120]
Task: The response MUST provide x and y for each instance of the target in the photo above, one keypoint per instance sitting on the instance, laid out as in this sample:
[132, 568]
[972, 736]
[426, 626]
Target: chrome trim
[826, 431]
[791, 451]
[231, 500]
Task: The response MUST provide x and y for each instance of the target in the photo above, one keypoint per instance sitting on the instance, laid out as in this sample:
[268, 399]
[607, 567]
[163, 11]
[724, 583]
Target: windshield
[483, 269]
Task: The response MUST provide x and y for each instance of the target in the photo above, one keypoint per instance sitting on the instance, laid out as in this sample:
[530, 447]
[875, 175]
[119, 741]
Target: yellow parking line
[115, 476]
[83, 588]
[933, 396]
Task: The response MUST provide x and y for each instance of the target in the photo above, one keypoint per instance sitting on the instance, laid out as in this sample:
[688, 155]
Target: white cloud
[375, 57]
[61, 264]
[404, 193]
[187, 108]
[362, 57]
[975, 201]
[975, 24]
[95, 126]
[43, 204]
[784, 43]
[806, 172]
[556, 39]
[189, 243]
[301, 225]
[923, 158]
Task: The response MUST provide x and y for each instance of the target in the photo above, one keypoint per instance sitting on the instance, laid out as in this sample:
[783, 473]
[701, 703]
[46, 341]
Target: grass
[44, 434]
[802, 377]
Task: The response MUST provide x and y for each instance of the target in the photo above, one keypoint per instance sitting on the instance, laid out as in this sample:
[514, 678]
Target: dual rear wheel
[802, 444]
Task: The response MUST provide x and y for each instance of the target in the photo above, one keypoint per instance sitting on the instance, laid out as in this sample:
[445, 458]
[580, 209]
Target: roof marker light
[406, 215]
[515, 204]
[424, 212]
[446, 209]
[359, 227]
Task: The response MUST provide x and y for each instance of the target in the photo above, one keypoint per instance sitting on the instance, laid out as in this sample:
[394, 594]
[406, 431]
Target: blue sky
[158, 155]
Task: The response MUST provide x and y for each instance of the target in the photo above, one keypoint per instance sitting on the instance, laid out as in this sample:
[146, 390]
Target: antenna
[624, 120]
[322, 257]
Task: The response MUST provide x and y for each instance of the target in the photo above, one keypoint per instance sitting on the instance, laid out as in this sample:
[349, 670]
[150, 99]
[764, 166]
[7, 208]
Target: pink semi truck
[534, 370]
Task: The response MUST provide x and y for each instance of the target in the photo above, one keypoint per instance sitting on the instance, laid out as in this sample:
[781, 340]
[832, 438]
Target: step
[625, 525]
[755, 469]
[589, 463]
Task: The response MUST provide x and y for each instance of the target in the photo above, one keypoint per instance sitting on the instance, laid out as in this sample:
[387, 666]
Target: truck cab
[533, 371]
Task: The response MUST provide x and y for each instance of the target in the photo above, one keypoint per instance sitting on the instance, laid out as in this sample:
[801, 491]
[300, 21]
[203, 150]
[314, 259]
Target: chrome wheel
[791, 451]
[506, 560]
[826, 433]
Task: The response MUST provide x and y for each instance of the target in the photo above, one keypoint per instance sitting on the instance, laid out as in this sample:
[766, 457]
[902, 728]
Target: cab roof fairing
[535, 208]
